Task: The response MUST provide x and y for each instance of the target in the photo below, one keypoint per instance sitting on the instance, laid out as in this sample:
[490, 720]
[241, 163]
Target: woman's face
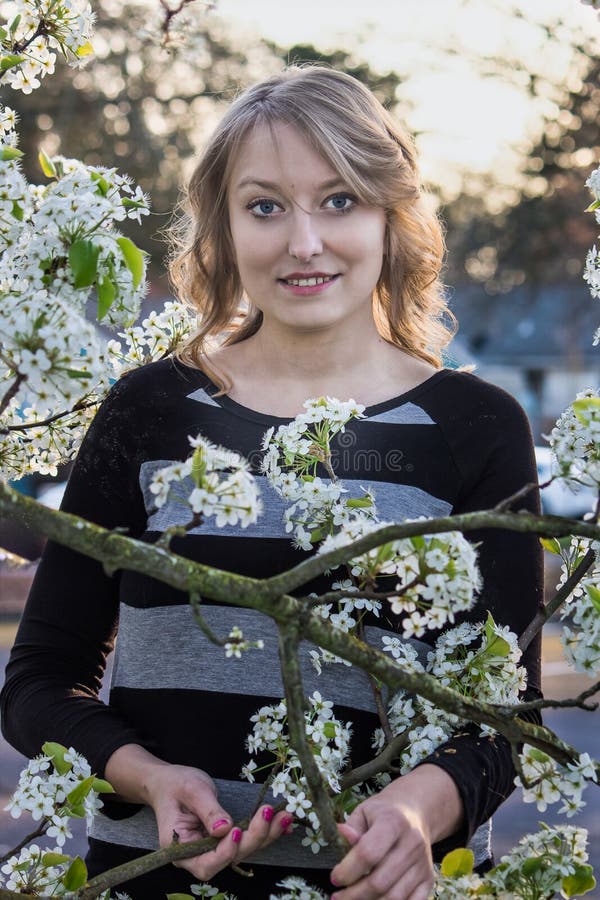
[309, 253]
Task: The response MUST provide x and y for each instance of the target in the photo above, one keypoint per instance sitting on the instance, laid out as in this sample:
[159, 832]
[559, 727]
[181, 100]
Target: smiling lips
[302, 284]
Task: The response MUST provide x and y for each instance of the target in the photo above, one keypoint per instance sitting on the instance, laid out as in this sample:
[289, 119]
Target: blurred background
[504, 101]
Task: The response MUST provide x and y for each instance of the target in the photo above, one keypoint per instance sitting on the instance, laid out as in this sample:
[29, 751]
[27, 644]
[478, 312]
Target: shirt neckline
[253, 415]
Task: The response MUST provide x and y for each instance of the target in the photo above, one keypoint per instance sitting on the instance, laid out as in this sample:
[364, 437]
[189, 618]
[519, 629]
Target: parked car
[558, 499]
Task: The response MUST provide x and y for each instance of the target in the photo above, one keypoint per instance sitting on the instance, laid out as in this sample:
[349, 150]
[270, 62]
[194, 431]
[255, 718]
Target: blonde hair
[353, 132]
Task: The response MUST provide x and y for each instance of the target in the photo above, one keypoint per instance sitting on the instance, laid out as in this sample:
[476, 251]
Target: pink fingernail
[219, 824]
[333, 881]
[236, 835]
[268, 813]
[286, 822]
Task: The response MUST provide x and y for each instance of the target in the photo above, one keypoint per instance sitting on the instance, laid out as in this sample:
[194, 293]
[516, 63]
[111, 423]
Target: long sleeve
[493, 450]
[68, 626]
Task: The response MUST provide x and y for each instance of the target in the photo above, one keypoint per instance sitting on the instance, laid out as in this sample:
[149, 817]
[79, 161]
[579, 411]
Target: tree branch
[289, 638]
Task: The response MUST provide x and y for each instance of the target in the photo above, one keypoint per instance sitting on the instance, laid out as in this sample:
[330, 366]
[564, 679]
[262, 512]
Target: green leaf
[85, 50]
[54, 859]
[106, 294]
[3, 34]
[585, 407]
[15, 24]
[77, 812]
[458, 863]
[329, 730]
[10, 61]
[77, 373]
[47, 166]
[551, 544]
[76, 875]
[56, 752]
[594, 595]
[180, 897]
[579, 883]
[537, 755]
[198, 466]
[17, 211]
[80, 792]
[102, 787]
[132, 204]
[593, 206]
[359, 503]
[83, 259]
[8, 153]
[533, 865]
[316, 535]
[134, 259]
[102, 185]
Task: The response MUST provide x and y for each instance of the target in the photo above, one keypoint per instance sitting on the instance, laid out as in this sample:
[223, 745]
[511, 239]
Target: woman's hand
[184, 800]
[391, 835]
[185, 803]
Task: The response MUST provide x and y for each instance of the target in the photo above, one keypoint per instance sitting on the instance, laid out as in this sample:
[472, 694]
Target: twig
[24, 426]
[579, 702]
[547, 611]
[520, 494]
[289, 638]
[37, 832]
[14, 388]
[195, 603]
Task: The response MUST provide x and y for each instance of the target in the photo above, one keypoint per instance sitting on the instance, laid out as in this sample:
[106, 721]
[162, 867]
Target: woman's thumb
[350, 833]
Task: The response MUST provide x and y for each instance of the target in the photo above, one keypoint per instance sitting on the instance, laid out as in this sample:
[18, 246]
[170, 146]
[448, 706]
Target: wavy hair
[361, 141]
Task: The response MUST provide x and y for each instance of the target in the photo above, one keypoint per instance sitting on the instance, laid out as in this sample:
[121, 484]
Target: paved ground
[510, 823]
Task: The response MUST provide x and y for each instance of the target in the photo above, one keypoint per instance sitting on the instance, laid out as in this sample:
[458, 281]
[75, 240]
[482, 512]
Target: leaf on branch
[102, 787]
[85, 50]
[593, 206]
[76, 875]
[80, 792]
[8, 153]
[10, 61]
[83, 259]
[106, 295]
[458, 863]
[580, 882]
[594, 595]
[46, 164]
[551, 544]
[54, 859]
[134, 259]
[56, 752]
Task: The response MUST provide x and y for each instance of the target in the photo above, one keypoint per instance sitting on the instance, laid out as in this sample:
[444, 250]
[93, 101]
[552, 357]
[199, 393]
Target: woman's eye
[262, 209]
[341, 202]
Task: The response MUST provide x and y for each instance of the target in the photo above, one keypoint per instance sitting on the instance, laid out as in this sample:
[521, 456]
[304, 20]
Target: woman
[315, 262]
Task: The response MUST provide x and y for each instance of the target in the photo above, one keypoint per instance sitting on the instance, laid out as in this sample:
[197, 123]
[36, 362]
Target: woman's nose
[305, 239]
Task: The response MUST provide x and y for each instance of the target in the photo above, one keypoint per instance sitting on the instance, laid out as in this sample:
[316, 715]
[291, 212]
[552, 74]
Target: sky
[469, 121]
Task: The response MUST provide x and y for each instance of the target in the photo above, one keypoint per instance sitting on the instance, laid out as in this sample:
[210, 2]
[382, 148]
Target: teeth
[308, 282]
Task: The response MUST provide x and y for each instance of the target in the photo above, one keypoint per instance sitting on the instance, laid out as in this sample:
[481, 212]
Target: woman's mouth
[310, 284]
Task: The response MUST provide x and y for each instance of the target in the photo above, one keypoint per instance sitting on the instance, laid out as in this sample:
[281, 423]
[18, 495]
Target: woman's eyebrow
[273, 186]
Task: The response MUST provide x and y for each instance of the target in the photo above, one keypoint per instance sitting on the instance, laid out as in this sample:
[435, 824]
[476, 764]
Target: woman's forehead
[279, 153]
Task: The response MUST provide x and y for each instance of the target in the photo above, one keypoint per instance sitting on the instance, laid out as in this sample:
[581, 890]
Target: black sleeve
[67, 630]
[493, 448]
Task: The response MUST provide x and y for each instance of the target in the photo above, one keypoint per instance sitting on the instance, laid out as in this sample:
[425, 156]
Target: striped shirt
[451, 445]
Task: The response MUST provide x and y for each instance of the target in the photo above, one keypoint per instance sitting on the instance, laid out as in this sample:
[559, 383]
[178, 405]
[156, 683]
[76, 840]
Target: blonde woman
[314, 259]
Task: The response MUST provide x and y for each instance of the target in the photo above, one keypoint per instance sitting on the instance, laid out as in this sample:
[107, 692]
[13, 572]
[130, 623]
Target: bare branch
[557, 601]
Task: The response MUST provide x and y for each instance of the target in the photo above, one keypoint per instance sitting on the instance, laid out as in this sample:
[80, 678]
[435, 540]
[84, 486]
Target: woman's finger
[366, 853]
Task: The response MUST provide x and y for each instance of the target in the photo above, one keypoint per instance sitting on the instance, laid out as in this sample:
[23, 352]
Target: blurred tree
[541, 236]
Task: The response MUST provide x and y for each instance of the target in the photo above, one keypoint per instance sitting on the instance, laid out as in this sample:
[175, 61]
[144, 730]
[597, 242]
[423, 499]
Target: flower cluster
[54, 787]
[438, 573]
[157, 336]
[297, 889]
[575, 442]
[329, 740]
[479, 661]
[295, 453]
[580, 637]
[551, 862]
[58, 243]
[34, 30]
[211, 482]
[545, 781]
